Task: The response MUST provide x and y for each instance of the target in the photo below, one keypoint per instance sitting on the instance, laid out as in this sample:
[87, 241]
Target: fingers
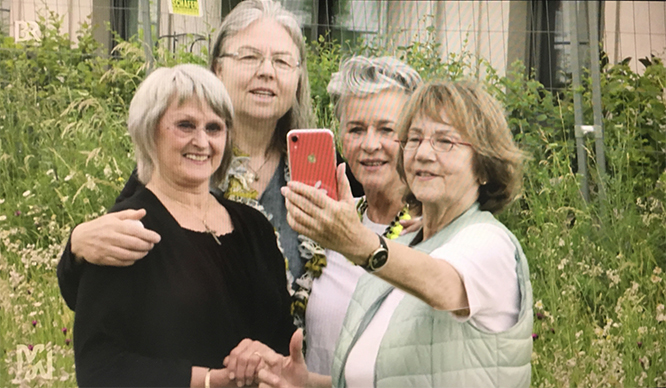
[344, 190]
[296, 347]
[411, 225]
[267, 379]
[245, 360]
[130, 214]
[116, 239]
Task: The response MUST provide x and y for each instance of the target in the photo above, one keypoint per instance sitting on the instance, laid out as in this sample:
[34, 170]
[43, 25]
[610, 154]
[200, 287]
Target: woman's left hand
[333, 224]
[245, 360]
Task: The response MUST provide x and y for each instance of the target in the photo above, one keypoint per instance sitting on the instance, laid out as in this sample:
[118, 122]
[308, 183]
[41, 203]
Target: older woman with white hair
[369, 94]
[216, 277]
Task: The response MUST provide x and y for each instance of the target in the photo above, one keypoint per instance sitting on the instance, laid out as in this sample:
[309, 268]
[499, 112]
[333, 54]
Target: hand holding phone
[312, 159]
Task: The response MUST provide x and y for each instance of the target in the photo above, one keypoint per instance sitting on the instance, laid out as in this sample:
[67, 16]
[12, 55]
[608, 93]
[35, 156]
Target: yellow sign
[186, 7]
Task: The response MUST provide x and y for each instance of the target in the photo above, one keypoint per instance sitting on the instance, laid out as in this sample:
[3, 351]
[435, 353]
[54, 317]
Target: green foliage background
[597, 268]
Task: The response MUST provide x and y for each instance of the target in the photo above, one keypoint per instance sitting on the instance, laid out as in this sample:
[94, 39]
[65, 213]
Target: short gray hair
[247, 12]
[360, 76]
[153, 97]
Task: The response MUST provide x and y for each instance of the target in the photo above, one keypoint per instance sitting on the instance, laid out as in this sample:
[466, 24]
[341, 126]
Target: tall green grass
[597, 268]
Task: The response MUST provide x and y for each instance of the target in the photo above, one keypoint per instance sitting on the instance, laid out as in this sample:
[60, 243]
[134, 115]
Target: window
[550, 40]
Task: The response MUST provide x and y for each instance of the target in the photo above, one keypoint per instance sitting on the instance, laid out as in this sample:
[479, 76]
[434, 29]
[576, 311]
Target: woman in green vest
[451, 304]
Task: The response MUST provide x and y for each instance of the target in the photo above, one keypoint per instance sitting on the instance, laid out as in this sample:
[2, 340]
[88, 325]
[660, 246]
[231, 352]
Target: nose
[200, 138]
[371, 141]
[266, 68]
[425, 151]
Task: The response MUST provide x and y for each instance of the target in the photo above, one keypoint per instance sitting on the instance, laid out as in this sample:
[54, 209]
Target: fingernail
[317, 185]
[232, 376]
[239, 383]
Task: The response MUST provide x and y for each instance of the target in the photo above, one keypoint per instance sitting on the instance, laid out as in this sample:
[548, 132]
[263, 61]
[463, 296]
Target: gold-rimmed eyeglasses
[252, 59]
[438, 143]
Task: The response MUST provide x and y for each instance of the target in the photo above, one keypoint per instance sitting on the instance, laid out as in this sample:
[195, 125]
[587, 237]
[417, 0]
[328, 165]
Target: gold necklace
[210, 231]
[254, 174]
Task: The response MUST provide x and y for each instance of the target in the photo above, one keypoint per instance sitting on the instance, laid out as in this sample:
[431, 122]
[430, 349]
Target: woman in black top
[217, 275]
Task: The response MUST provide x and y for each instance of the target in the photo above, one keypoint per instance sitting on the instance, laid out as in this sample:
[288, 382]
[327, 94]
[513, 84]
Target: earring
[483, 183]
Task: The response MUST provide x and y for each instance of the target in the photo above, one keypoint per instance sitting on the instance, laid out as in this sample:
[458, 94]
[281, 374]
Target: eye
[282, 62]
[249, 57]
[186, 126]
[214, 128]
[443, 143]
[356, 130]
[387, 131]
[413, 141]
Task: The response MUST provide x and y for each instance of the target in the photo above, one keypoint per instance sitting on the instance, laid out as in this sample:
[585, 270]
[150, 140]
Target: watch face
[378, 260]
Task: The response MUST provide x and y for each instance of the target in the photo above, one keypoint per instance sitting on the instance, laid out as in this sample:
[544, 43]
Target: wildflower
[30, 347]
[642, 330]
[2, 200]
[17, 213]
[64, 331]
[552, 330]
[3, 217]
[67, 341]
[535, 336]
[656, 270]
[539, 316]
[26, 193]
[538, 304]
[655, 279]
[639, 344]
[34, 323]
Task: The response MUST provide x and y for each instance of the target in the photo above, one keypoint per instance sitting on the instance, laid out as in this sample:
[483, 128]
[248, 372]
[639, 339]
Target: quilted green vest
[424, 347]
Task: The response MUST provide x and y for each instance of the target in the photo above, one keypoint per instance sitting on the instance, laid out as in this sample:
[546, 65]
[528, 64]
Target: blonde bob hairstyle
[360, 76]
[156, 93]
[479, 118]
[300, 115]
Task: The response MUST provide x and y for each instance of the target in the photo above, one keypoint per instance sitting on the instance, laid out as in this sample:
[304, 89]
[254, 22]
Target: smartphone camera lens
[294, 139]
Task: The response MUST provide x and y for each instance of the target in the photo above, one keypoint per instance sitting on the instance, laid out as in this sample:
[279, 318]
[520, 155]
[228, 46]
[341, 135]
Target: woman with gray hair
[217, 276]
[369, 94]
[260, 57]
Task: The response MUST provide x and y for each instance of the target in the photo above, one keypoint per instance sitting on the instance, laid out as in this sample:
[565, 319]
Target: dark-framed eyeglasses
[251, 60]
[438, 143]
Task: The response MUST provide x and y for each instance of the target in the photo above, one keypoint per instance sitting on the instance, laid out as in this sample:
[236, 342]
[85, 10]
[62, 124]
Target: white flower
[26, 193]
[2, 200]
[3, 217]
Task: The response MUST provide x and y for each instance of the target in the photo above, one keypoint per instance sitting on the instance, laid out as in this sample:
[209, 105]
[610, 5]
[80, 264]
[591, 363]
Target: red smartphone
[312, 158]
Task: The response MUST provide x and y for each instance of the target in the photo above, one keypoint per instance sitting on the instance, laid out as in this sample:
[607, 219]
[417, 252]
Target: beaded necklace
[394, 228]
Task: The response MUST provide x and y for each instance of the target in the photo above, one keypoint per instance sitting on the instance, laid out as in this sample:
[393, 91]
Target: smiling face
[369, 140]
[260, 93]
[189, 143]
[447, 178]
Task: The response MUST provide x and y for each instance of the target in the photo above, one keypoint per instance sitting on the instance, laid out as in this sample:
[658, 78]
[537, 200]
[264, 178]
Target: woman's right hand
[286, 372]
[116, 239]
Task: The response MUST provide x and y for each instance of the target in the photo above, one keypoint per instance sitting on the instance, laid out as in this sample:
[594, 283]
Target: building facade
[535, 32]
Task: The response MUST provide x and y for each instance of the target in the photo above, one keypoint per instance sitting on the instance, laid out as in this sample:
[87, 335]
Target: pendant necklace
[210, 231]
[254, 174]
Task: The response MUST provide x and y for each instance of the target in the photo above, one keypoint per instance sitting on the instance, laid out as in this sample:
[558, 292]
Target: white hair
[153, 97]
[360, 76]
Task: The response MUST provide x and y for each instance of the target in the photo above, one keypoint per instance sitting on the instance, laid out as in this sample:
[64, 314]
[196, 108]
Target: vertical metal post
[147, 35]
[578, 103]
[596, 93]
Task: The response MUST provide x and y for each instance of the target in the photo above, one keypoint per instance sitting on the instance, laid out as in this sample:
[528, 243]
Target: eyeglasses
[252, 59]
[438, 143]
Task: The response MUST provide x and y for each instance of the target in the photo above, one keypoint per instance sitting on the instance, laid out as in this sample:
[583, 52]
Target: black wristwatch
[377, 259]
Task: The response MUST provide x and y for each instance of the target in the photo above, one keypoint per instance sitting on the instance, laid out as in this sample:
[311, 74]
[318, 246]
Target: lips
[425, 174]
[263, 92]
[196, 157]
[372, 163]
